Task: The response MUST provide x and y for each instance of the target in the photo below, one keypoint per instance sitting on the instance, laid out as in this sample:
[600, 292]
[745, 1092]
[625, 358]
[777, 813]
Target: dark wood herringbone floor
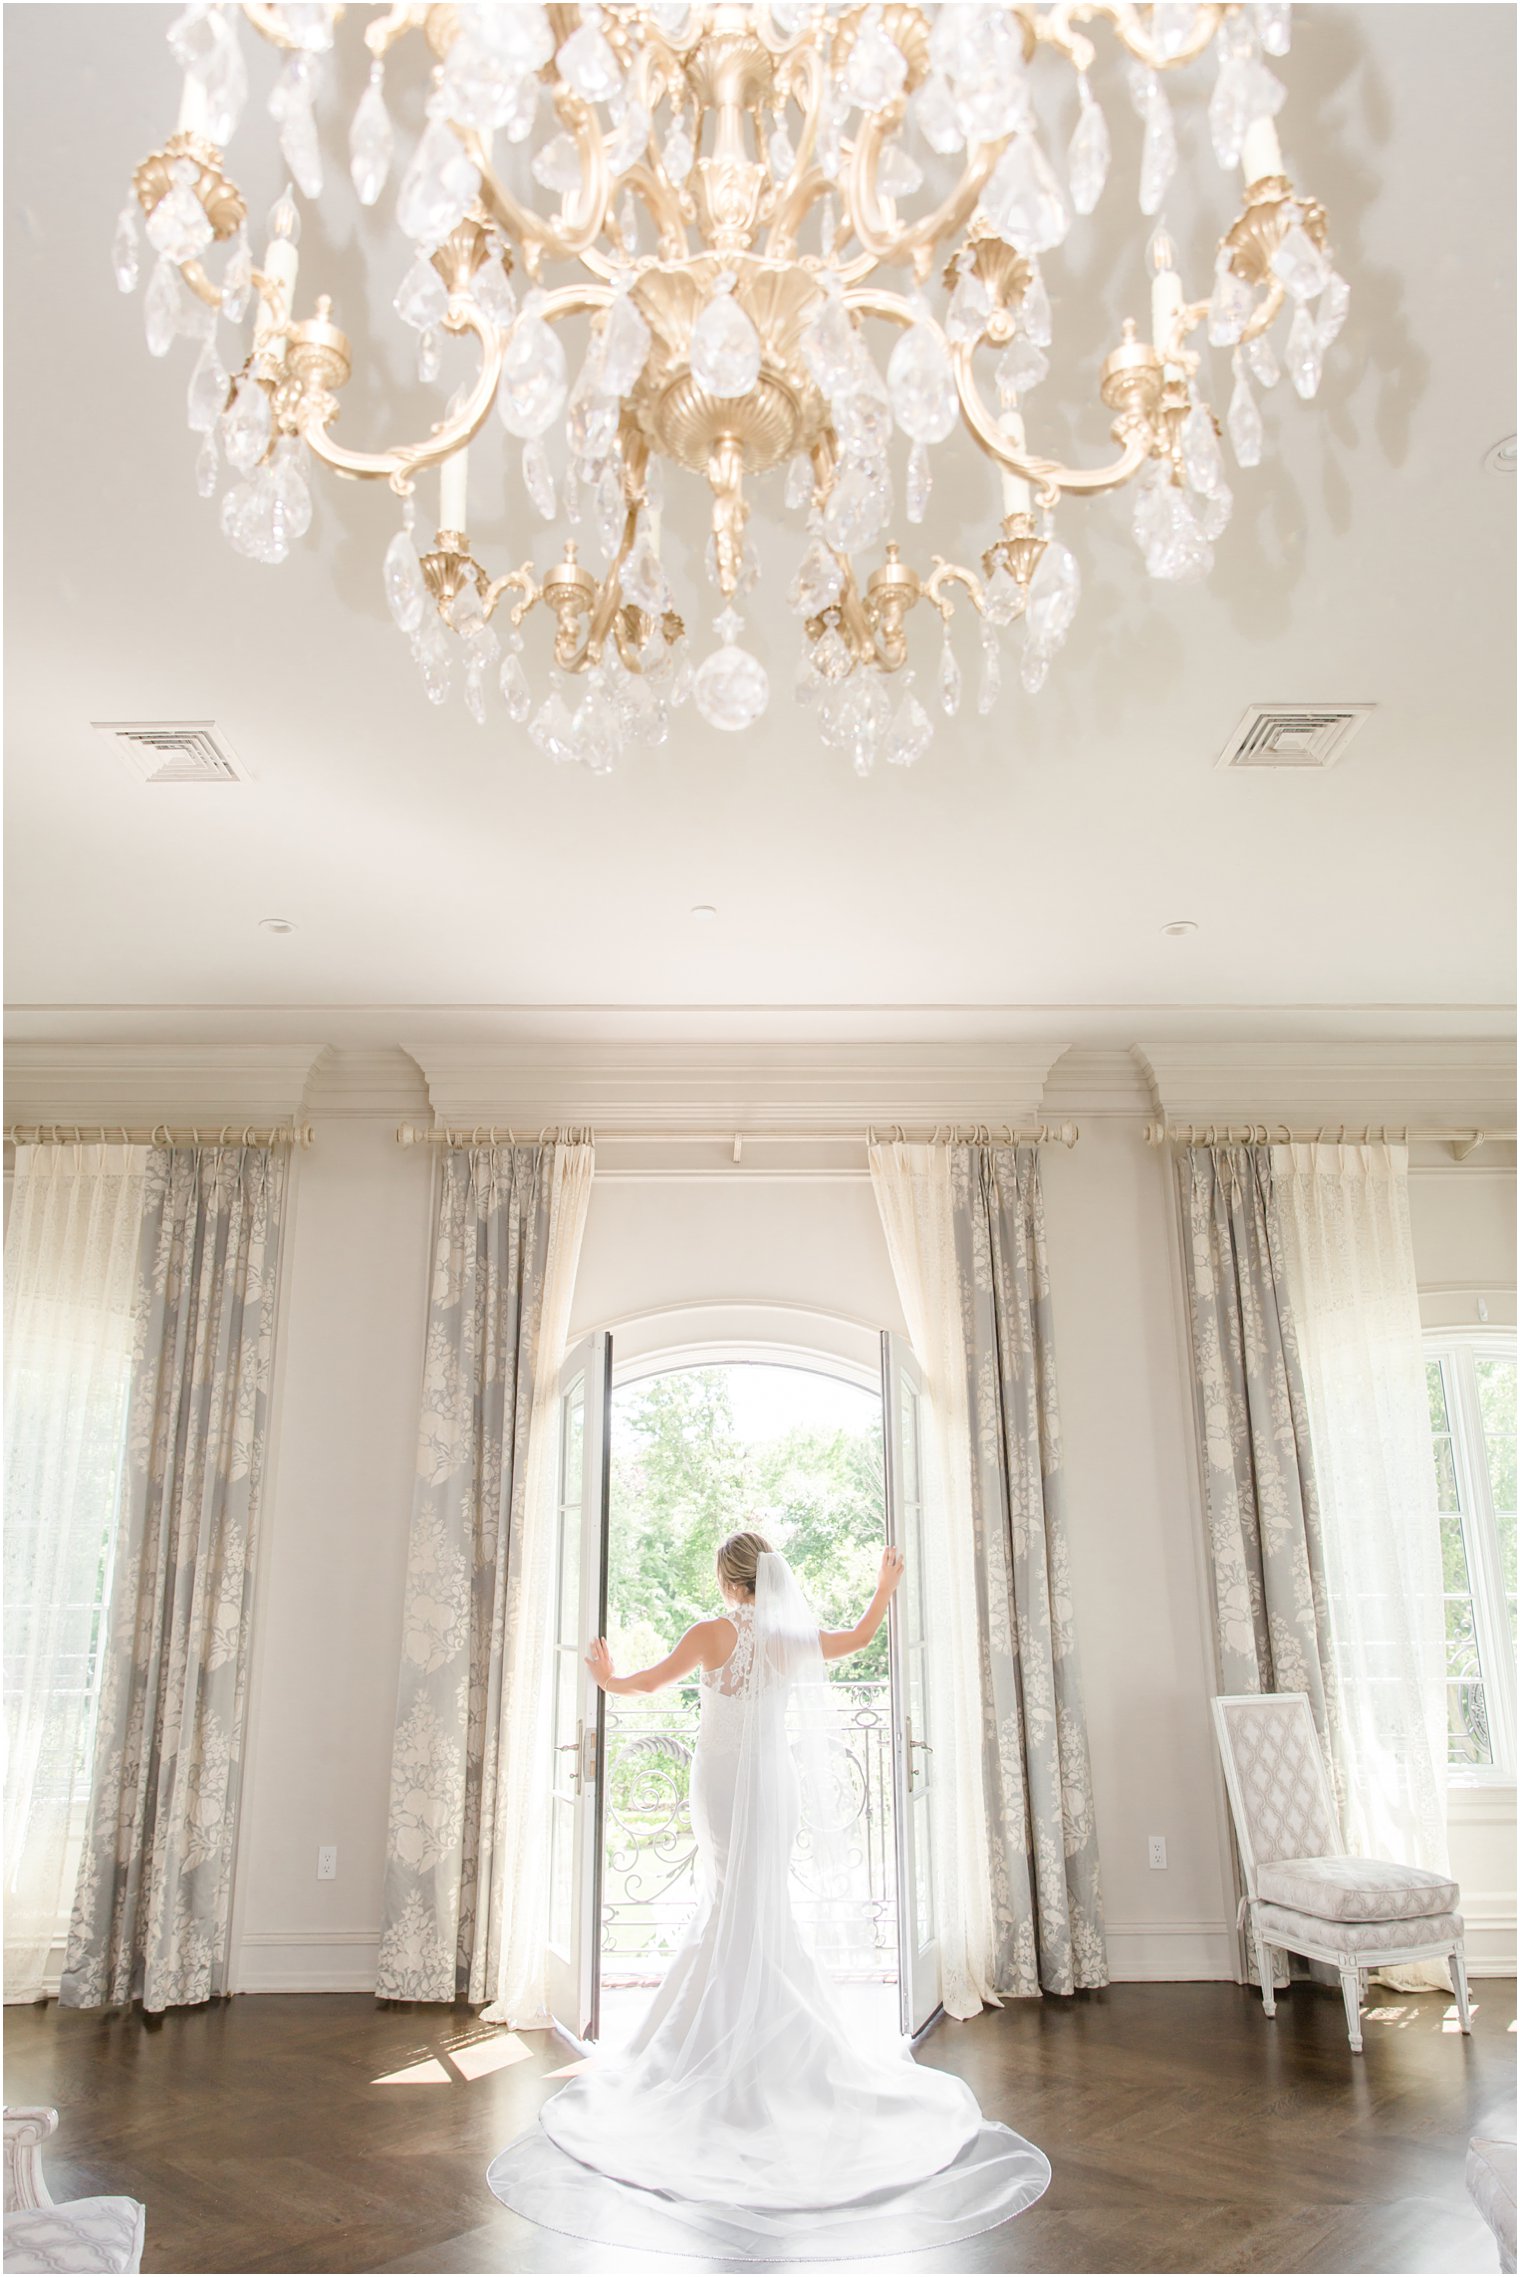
[1185, 2132]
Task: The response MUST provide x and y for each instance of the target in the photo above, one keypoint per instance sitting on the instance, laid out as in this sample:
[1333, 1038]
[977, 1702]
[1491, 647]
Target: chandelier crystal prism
[722, 240]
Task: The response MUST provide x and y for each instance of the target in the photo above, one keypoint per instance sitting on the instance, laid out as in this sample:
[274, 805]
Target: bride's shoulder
[719, 1636]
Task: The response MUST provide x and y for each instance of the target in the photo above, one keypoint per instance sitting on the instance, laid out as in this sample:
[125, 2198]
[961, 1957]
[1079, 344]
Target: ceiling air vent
[173, 751]
[1293, 735]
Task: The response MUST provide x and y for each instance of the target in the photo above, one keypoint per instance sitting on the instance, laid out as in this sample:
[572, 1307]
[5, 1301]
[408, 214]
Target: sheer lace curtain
[1344, 1213]
[70, 1271]
[914, 1195]
[521, 1992]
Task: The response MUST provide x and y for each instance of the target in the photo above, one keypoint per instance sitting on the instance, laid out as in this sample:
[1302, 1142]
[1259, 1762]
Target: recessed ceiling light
[1178, 927]
[704, 912]
[276, 925]
[1501, 459]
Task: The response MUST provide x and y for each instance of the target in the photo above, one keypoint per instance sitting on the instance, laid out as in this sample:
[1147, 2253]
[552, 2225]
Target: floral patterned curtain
[457, 1835]
[1271, 1612]
[1047, 1899]
[151, 1912]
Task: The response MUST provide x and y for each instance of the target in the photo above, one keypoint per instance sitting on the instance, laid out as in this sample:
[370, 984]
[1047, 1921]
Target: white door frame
[914, 1782]
[578, 1711]
[709, 1335]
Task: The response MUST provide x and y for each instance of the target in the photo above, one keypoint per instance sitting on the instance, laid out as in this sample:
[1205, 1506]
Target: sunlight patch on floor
[475, 2056]
[478, 2058]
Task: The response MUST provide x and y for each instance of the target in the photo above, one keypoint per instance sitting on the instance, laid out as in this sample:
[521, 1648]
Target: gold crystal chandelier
[728, 204]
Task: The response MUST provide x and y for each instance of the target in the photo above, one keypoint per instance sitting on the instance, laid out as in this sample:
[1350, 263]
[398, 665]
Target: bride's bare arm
[707, 1644]
[837, 1644]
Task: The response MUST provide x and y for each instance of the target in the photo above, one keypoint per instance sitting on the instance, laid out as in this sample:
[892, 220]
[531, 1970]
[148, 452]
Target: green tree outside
[683, 1476]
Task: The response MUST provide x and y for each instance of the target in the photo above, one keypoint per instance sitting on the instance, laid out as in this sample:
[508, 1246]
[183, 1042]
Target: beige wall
[334, 1537]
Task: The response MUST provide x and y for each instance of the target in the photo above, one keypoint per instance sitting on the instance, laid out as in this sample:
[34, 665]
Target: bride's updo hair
[739, 1561]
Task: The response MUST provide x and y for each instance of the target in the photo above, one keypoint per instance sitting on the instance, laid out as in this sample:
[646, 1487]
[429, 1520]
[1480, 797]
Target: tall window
[1472, 1419]
[70, 1280]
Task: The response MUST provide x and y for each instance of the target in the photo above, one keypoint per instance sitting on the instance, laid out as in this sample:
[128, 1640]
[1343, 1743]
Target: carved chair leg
[1351, 1993]
[1458, 1967]
[1264, 1966]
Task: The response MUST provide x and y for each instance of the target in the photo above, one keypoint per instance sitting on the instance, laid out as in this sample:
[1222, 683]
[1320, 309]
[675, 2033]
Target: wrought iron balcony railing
[649, 1884]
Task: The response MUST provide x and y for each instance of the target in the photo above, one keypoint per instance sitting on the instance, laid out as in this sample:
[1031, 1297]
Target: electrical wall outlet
[327, 1862]
[1155, 1850]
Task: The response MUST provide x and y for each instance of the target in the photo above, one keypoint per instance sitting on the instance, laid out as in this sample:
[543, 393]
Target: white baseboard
[307, 1960]
[1489, 1919]
[1170, 1952]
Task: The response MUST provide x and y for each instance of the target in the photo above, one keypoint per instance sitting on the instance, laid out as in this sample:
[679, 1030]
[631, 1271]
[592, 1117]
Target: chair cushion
[1432, 1934]
[86, 2235]
[1356, 1889]
[1491, 2187]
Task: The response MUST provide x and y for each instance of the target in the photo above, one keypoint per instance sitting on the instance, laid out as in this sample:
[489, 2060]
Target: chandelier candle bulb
[1260, 152]
[281, 263]
[453, 491]
[1167, 299]
[192, 106]
[1015, 488]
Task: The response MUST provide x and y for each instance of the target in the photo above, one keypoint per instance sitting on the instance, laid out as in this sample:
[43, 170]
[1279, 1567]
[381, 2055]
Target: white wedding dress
[747, 2119]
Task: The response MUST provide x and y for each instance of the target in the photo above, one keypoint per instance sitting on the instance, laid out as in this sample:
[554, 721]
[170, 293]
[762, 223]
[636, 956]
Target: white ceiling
[1021, 873]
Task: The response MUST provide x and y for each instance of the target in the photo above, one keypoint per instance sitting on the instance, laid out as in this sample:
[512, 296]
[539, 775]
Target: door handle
[588, 1774]
[573, 1747]
[922, 1746]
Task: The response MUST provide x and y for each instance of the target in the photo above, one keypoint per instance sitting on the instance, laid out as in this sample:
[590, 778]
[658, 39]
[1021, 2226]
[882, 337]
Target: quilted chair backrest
[1275, 1773]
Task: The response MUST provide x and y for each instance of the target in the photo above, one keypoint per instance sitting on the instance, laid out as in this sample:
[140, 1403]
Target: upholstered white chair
[1303, 1893]
[1491, 2187]
[84, 2235]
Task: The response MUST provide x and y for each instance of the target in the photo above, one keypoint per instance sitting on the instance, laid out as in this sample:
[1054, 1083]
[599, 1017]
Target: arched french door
[896, 1859]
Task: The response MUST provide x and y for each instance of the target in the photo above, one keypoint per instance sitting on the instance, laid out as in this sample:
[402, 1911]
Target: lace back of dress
[733, 1677]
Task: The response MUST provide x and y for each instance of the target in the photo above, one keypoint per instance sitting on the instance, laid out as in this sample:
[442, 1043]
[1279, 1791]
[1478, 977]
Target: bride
[747, 2118]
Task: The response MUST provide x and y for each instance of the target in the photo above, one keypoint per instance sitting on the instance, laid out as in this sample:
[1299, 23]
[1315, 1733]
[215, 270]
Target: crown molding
[1098, 1085]
[370, 1083]
[1107, 1026]
[690, 1086]
[145, 1083]
[1310, 1081]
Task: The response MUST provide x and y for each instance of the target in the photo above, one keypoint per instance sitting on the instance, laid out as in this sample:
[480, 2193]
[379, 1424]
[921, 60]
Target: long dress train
[748, 2119]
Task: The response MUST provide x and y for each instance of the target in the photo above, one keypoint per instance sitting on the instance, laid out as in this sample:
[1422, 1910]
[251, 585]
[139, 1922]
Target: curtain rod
[965, 1134]
[1461, 1142]
[116, 1134]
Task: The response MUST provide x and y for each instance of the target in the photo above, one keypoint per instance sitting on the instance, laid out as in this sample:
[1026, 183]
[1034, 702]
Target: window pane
[1496, 1399]
[1448, 1500]
[1454, 1573]
[1461, 1638]
[1436, 1384]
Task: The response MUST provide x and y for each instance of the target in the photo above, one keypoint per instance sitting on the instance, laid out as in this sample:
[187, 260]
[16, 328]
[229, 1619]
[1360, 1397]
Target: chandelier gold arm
[807, 182]
[945, 573]
[1054, 27]
[405, 460]
[514, 581]
[270, 25]
[917, 243]
[666, 209]
[541, 239]
[1132, 430]
[381, 35]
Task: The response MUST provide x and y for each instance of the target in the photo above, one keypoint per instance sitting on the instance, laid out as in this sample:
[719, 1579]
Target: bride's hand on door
[599, 1661]
[891, 1572]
